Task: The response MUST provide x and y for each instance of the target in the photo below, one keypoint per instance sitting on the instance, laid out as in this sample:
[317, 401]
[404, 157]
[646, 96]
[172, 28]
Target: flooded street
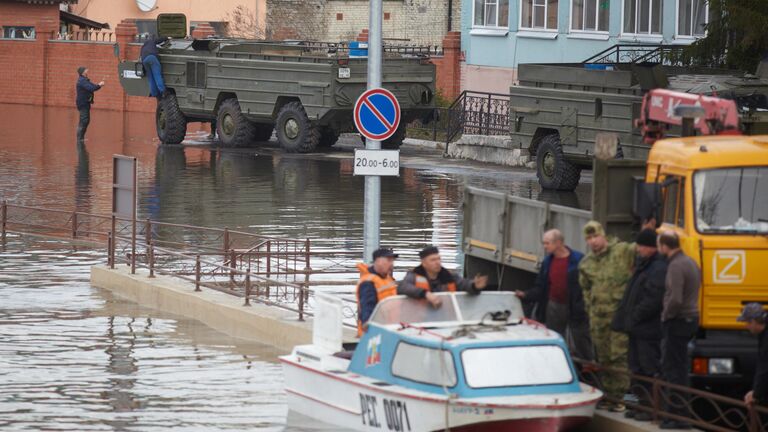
[73, 357]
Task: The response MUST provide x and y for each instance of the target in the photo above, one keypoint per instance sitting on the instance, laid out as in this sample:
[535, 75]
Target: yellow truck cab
[713, 191]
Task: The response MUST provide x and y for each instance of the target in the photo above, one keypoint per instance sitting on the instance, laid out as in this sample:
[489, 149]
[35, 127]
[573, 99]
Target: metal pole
[372, 209]
[197, 272]
[3, 218]
[151, 260]
[74, 225]
[247, 288]
[113, 234]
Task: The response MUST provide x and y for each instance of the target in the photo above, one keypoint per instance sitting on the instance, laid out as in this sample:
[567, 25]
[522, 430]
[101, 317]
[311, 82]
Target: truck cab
[713, 192]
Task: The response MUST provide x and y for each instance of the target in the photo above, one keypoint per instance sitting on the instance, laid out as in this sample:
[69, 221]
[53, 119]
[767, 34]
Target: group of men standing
[626, 305]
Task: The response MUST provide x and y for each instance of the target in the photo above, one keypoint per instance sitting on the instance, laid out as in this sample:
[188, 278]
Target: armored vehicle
[557, 110]
[305, 91]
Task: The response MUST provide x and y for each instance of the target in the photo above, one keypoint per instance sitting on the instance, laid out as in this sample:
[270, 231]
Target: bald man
[560, 302]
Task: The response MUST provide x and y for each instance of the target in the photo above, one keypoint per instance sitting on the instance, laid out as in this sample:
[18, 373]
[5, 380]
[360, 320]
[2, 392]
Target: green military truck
[556, 110]
[304, 91]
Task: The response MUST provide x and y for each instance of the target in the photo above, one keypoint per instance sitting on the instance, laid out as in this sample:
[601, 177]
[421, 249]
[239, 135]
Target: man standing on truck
[639, 316]
[560, 301]
[679, 319]
[151, 62]
[603, 275]
[431, 277]
[376, 284]
[84, 99]
[755, 316]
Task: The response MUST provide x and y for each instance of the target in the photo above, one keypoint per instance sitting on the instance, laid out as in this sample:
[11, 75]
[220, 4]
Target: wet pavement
[72, 357]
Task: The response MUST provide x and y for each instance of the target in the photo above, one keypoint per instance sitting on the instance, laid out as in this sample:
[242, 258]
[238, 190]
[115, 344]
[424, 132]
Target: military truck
[304, 91]
[708, 189]
[556, 110]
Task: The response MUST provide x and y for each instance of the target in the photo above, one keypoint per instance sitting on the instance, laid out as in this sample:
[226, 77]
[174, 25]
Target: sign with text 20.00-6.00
[377, 162]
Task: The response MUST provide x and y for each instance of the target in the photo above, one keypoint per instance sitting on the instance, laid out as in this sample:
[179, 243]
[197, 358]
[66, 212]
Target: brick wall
[420, 22]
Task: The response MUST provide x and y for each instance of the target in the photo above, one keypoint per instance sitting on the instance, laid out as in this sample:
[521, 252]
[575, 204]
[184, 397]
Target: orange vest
[423, 283]
[385, 287]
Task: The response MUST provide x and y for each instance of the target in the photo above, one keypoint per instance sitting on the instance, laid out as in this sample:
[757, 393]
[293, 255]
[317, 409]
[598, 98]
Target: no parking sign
[377, 114]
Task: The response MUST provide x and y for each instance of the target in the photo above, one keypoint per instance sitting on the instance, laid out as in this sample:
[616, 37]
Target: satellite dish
[146, 5]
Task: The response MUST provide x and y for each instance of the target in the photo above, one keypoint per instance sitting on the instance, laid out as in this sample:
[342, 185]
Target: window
[424, 365]
[196, 74]
[146, 27]
[642, 17]
[491, 13]
[525, 366]
[538, 14]
[732, 200]
[674, 202]
[590, 15]
[692, 17]
[25, 32]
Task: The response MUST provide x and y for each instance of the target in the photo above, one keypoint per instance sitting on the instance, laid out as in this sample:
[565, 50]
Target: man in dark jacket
[84, 99]
[639, 316]
[755, 316]
[151, 62]
[560, 301]
[430, 277]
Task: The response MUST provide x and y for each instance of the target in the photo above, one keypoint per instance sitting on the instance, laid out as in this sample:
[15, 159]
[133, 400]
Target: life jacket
[445, 277]
[385, 287]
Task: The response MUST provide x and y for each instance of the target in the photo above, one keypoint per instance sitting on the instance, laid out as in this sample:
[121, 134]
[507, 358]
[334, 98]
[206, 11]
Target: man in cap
[754, 316]
[603, 275]
[84, 99]
[430, 277]
[376, 283]
[639, 316]
[560, 302]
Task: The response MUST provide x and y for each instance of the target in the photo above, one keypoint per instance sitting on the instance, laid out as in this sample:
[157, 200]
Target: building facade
[240, 18]
[497, 35]
[414, 22]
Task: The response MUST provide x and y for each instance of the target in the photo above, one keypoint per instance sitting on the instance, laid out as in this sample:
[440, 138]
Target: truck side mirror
[647, 200]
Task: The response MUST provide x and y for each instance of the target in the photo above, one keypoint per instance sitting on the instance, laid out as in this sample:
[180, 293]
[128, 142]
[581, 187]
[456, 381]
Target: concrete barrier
[223, 312]
[494, 149]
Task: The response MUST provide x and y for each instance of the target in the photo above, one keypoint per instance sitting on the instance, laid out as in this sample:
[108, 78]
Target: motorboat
[473, 364]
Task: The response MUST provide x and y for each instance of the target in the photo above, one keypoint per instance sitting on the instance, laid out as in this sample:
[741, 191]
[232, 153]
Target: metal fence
[478, 114]
[666, 401]
[671, 55]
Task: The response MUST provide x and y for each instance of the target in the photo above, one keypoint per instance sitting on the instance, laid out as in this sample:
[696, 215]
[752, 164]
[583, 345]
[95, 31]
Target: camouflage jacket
[603, 278]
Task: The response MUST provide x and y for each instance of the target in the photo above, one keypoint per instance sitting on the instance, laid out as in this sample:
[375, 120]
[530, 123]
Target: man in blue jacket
[84, 99]
[151, 62]
[560, 301]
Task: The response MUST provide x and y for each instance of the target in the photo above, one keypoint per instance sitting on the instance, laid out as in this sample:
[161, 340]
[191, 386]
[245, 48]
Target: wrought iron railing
[671, 55]
[478, 114]
[666, 401]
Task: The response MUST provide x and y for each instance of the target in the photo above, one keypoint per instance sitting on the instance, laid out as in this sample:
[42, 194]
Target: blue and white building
[497, 35]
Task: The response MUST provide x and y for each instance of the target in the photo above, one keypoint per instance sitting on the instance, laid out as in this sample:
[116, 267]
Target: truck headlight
[720, 366]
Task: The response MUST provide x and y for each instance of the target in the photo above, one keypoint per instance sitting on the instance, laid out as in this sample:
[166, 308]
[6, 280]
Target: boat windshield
[533, 365]
[455, 307]
[728, 201]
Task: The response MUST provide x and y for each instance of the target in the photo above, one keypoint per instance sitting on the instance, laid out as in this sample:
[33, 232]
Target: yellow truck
[711, 190]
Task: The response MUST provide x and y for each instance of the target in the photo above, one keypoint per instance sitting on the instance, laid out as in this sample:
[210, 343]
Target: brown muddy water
[73, 357]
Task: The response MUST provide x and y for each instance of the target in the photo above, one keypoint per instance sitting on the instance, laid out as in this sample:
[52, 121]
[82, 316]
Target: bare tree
[243, 23]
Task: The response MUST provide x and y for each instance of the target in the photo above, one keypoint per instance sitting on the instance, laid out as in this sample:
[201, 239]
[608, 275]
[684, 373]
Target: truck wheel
[233, 128]
[328, 137]
[263, 132]
[295, 131]
[552, 169]
[394, 142]
[170, 121]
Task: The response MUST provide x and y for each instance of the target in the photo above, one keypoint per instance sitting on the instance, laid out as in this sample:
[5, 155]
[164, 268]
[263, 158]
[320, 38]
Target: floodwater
[72, 357]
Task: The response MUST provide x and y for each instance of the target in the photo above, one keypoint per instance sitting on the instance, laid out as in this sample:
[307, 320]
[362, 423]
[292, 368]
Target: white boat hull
[335, 396]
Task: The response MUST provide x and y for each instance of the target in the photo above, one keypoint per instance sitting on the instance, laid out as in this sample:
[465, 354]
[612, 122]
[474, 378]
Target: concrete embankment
[221, 311]
[493, 149]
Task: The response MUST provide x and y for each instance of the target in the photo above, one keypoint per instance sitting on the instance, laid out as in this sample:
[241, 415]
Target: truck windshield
[731, 201]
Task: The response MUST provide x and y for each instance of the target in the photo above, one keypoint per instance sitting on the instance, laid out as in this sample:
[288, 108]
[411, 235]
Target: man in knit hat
[603, 275]
[85, 89]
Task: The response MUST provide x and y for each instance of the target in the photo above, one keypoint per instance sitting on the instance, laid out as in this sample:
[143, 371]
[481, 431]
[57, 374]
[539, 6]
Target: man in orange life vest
[376, 284]
[430, 277]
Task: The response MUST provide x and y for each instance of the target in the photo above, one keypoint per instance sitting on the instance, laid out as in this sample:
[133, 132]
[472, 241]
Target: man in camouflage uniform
[603, 275]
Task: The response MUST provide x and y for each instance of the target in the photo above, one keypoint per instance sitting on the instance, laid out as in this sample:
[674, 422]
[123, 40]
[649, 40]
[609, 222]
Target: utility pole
[372, 206]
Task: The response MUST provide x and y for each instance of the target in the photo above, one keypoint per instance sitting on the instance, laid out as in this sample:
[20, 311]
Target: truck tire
[328, 137]
[394, 142]
[263, 132]
[233, 129]
[295, 131]
[170, 121]
[552, 169]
